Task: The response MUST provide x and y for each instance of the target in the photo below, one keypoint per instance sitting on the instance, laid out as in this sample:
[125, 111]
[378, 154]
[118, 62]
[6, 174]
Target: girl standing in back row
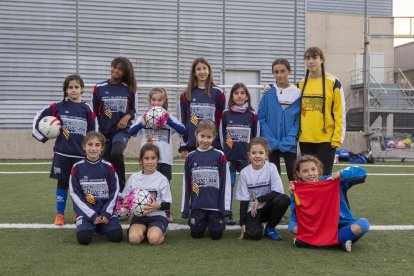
[279, 116]
[239, 124]
[202, 99]
[323, 125]
[114, 104]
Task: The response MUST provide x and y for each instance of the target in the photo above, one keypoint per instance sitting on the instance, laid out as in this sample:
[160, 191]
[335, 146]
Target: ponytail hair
[311, 52]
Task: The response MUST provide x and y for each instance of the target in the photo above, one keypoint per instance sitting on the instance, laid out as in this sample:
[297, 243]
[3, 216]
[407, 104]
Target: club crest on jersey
[108, 112]
[90, 198]
[194, 119]
[66, 133]
[196, 188]
[303, 112]
[229, 141]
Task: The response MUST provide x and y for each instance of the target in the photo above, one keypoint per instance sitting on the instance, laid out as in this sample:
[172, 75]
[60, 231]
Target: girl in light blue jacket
[279, 117]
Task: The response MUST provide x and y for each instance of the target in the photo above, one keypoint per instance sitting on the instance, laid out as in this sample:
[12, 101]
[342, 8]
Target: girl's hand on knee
[242, 231]
[104, 220]
[124, 121]
[254, 208]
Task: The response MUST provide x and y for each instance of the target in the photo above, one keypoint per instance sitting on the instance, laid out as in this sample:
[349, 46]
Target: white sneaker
[346, 246]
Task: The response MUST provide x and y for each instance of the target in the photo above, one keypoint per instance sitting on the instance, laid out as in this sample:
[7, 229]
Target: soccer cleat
[59, 219]
[272, 234]
[346, 245]
[229, 220]
[300, 244]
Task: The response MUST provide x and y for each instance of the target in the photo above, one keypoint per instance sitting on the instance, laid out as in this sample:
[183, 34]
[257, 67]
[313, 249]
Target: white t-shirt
[155, 183]
[255, 183]
[162, 138]
[287, 96]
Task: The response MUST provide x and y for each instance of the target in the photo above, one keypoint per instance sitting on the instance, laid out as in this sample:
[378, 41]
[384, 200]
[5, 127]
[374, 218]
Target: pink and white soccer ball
[137, 201]
[50, 127]
[156, 117]
[391, 144]
[120, 210]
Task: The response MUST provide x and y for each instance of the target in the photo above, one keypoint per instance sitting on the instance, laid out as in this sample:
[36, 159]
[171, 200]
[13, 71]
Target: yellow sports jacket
[312, 121]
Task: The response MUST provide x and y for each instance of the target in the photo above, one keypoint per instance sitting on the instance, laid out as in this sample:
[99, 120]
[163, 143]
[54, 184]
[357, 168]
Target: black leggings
[114, 153]
[271, 213]
[289, 158]
[85, 237]
[323, 151]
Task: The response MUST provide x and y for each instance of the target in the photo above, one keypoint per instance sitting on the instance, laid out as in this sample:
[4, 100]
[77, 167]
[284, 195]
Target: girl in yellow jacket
[323, 125]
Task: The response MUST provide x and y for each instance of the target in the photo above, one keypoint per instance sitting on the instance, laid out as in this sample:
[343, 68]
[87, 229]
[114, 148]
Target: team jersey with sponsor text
[161, 137]
[111, 102]
[76, 120]
[206, 182]
[236, 130]
[201, 107]
[94, 188]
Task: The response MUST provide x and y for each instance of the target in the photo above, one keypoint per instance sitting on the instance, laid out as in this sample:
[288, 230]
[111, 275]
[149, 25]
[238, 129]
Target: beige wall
[19, 144]
[341, 37]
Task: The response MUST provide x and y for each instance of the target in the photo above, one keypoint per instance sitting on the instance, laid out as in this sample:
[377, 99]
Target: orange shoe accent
[60, 219]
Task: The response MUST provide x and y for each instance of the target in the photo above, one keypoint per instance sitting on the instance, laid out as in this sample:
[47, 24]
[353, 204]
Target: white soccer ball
[138, 200]
[156, 117]
[50, 127]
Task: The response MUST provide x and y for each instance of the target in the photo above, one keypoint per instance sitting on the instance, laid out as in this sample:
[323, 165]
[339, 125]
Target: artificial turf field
[39, 248]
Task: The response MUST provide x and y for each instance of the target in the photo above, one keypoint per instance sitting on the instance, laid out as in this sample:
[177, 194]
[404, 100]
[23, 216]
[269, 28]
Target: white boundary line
[180, 173]
[175, 226]
[182, 163]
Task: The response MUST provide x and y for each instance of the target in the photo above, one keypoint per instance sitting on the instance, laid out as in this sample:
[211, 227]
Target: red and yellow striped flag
[229, 141]
[90, 199]
[108, 112]
[196, 188]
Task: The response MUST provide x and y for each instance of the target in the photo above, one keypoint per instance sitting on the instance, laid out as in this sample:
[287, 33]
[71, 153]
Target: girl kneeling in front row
[94, 188]
[261, 194]
[309, 169]
[153, 224]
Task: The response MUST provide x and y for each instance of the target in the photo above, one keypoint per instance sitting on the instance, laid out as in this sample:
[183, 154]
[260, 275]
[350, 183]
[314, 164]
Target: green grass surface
[29, 198]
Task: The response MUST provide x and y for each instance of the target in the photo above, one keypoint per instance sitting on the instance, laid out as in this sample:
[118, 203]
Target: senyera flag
[317, 211]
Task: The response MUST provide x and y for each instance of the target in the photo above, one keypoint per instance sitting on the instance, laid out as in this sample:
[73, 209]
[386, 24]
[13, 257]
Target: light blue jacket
[280, 127]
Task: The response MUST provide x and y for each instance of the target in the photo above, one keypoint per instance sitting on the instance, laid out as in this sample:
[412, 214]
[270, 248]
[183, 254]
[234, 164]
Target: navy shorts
[165, 169]
[61, 167]
[151, 221]
[83, 224]
[201, 219]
